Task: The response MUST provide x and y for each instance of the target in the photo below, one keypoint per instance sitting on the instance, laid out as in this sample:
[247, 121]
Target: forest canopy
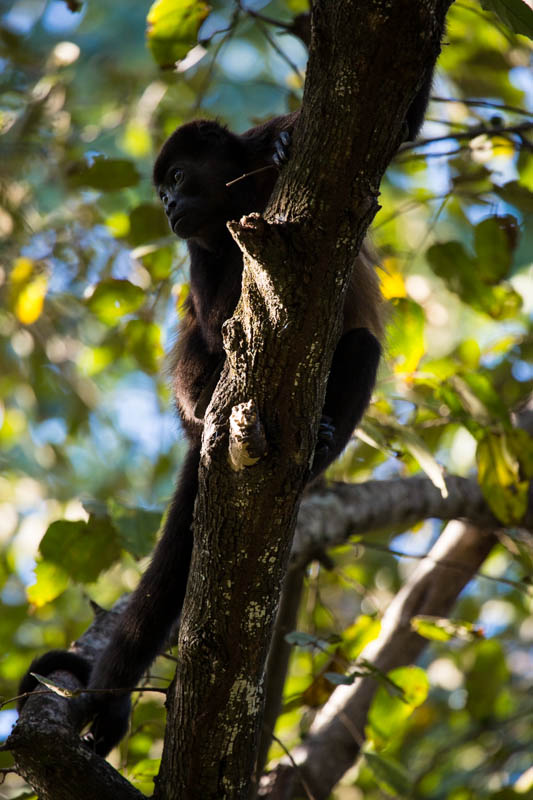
[92, 283]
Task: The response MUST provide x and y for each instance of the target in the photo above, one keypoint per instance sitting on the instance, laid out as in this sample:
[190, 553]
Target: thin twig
[269, 21]
[482, 104]
[473, 133]
[295, 766]
[275, 46]
[77, 692]
[253, 172]
[452, 564]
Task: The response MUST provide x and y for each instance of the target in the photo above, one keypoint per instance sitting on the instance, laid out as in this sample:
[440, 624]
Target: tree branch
[337, 734]
[330, 516]
[47, 751]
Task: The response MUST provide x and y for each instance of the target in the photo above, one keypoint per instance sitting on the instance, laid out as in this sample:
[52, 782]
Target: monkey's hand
[324, 444]
[282, 146]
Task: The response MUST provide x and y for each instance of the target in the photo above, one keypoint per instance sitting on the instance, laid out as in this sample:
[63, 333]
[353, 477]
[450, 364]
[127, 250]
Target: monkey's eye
[178, 176]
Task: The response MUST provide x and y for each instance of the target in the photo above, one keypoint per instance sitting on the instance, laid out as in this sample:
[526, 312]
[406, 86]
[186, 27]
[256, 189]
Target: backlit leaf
[422, 454]
[405, 335]
[158, 262]
[492, 250]
[106, 174]
[499, 477]
[389, 712]
[143, 340]
[137, 527]
[173, 28]
[112, 299]
[464, 275]
[51, 581]
[390, 775]
[82, 549]
[486, 678]
[30, 300]
[441, 629]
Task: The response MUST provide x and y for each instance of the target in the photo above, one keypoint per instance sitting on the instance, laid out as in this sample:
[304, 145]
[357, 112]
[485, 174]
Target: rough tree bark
[366, 61]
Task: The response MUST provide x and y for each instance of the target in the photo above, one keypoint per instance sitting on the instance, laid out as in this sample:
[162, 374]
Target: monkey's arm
[417, 109]
[195, 373]
[350, 383]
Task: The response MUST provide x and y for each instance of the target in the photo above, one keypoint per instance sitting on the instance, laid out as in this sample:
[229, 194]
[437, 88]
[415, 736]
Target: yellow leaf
[30, 300]
[22, 269]
[503, 148]
[137, 140]
[118, 224]
[391, 279]
[51, 581]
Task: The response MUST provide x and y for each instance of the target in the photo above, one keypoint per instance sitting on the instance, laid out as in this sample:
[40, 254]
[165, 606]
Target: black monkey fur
[190, 174]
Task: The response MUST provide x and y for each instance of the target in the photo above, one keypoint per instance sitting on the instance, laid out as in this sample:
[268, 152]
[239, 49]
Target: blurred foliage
[92, 281]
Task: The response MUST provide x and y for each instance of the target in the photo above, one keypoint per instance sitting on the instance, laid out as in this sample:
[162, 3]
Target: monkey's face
[196, 200]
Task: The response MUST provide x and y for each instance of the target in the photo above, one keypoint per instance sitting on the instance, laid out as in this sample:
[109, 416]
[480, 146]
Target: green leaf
[173, 28]
[143, 773]
[521, 443]
[143, 340]
[441, 629]
[56, 688]
[516, 14]
[93, 360]
[405, 334]
[137, 527]
[390, 775]
[158, 262]
[469, 352]
[298, 6]
[486, 679]
[499, 477]
[479, 397]
[51, 581]
[340, 680]
[389, 712]
[493, 252]
[364, 630]
[516, 194]
[82, 549]
[106, 174]
[419, 450]
[451, 262]
[147, 224]
[112, 299]
[463, 275]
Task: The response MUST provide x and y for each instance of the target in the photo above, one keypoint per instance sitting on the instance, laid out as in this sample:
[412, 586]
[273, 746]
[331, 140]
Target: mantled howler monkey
[191, 175]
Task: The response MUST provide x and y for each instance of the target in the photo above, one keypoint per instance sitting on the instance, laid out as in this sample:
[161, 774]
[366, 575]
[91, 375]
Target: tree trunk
[366, 63]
